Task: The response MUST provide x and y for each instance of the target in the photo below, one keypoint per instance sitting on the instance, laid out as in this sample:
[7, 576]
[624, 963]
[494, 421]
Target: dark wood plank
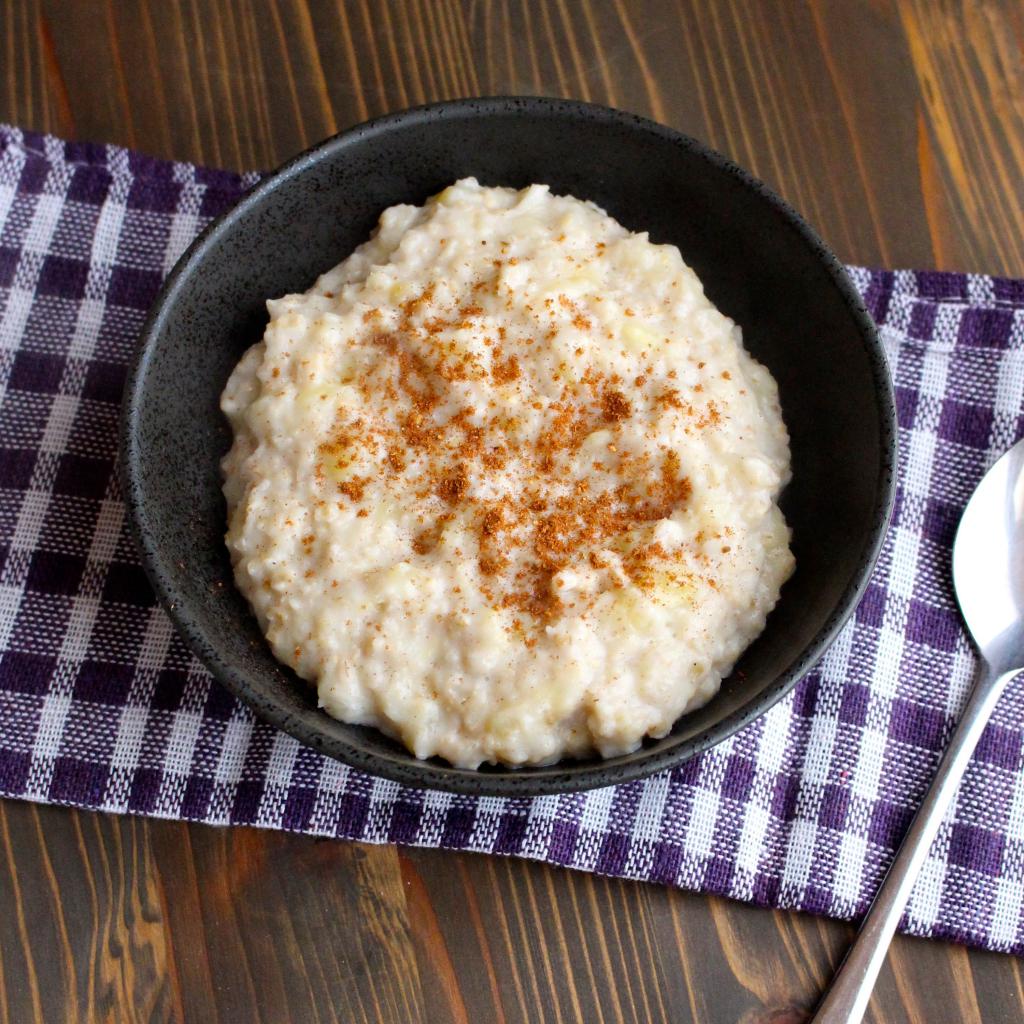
[108, 918]
[82, 932]
[911, 157]
[268, 927]
[896, 126]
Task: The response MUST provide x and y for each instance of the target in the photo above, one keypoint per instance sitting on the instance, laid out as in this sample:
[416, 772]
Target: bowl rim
[561, 777]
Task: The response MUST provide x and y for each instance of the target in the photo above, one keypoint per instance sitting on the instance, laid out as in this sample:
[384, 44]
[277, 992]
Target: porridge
[504, 482]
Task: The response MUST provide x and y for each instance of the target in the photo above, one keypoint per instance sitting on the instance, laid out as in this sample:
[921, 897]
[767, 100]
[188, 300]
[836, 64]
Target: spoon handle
[847, 999]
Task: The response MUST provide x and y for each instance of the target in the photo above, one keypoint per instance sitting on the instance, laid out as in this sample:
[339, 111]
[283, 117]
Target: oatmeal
[504, 482]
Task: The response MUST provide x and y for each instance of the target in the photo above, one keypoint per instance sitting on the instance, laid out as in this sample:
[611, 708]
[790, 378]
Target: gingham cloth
[102, 706]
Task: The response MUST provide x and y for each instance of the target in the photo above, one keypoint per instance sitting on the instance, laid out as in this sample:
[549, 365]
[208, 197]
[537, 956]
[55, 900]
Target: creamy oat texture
[504, 482]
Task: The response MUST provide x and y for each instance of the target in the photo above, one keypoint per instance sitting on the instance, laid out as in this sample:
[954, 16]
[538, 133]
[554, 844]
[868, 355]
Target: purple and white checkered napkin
[102, 706]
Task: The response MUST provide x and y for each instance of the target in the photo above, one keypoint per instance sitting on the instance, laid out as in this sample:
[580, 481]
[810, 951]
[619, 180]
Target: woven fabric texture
[102, 706]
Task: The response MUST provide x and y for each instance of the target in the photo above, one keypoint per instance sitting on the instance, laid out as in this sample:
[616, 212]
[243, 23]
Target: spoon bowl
[988, 561]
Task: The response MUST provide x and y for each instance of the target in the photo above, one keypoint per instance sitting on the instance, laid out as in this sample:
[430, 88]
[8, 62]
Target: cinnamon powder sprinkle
[452, 488]
[540, 520]
[507, 371]
[615, 405]
[353, 488]
[396, 458]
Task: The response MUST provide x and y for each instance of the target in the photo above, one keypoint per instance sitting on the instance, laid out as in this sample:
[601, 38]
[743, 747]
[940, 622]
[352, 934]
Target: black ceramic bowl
[760, 263]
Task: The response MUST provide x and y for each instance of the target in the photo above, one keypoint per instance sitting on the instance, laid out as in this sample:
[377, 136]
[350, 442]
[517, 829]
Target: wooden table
[896, 126]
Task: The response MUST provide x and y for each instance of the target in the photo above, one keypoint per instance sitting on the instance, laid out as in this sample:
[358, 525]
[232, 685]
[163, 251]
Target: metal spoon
[988, 577]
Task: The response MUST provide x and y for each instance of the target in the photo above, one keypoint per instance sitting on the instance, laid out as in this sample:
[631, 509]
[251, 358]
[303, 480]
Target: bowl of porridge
[509, 446]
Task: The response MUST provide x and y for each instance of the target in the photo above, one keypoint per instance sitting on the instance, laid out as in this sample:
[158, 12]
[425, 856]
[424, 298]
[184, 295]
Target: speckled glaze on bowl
[760, 263]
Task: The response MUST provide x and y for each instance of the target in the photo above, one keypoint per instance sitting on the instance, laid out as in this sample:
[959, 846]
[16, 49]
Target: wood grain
[896, 126]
